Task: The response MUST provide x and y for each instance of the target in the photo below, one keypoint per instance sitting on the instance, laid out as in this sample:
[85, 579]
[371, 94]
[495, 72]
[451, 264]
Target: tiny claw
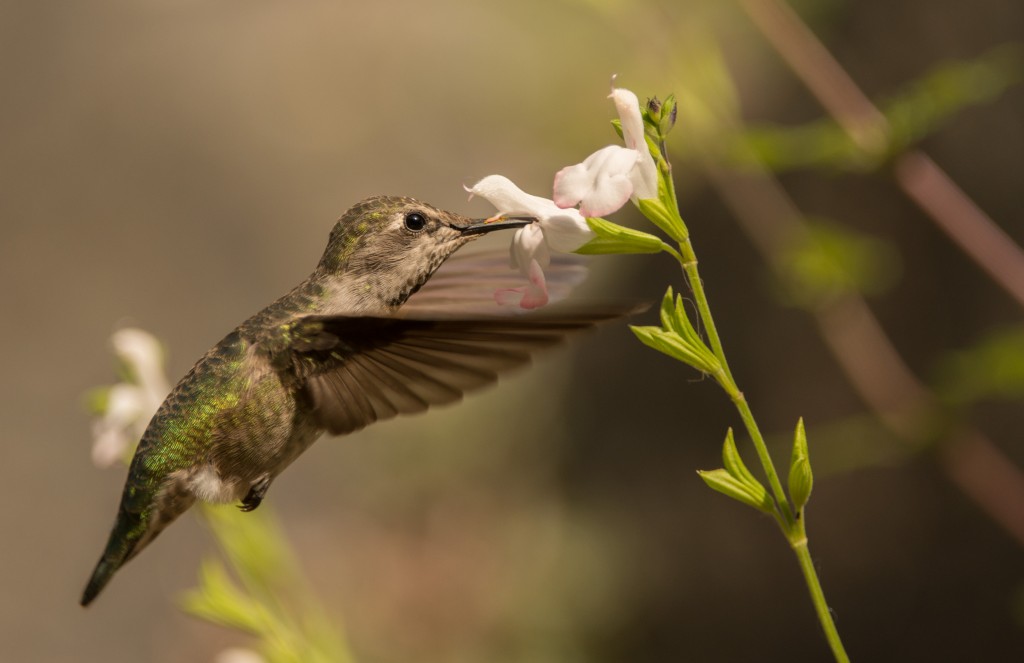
[255, 495]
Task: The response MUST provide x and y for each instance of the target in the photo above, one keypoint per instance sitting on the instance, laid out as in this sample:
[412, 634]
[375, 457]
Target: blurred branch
[920, 178]
[870, 360]
[957, 215]
[918, 109]
[820, 72]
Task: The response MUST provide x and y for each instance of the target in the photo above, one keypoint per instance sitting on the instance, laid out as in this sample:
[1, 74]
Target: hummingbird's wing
[465, 284]
[357, 370]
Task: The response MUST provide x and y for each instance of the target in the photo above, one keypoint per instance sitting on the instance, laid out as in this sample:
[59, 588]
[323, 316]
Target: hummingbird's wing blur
[357, 370]
[465, 284]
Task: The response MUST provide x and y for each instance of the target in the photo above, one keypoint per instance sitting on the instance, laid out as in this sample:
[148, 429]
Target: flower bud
[667, 119]
[654, 109]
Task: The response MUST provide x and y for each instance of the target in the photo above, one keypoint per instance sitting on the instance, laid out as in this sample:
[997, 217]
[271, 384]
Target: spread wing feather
[464, 285]
[357, 370]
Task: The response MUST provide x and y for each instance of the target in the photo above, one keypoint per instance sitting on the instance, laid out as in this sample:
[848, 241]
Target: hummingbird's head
[384, 248]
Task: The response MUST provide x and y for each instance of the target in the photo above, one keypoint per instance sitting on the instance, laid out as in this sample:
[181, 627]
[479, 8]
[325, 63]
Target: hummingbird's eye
[414, 221]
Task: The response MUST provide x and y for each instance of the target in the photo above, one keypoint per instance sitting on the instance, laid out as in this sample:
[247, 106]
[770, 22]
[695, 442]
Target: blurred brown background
[178, 165]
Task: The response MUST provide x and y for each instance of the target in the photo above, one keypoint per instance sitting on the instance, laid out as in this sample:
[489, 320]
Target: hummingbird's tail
[128, 530]
[133, 530]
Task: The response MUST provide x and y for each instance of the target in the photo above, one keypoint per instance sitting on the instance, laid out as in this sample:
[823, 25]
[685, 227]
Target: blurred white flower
[130, 405]
[562, 230]
[239, 655]
[612, 175]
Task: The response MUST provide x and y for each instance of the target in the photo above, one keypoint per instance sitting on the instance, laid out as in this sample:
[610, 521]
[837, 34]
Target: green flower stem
[803, 556]
[791, 524]
[788, 520]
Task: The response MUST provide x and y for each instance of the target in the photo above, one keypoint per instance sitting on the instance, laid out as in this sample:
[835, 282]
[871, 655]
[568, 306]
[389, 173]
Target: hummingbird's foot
[255, 495]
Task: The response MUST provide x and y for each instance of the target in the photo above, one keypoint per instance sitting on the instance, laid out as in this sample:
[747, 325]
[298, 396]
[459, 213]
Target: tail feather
[133, 531]
[121, 546]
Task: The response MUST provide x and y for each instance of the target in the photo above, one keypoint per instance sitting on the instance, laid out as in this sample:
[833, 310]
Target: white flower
[130, 405]
[562, 230]
[612, 175]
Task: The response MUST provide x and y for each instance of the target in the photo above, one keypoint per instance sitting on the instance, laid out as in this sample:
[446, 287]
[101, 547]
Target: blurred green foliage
[831, 260]
[270, 598]
[991, 369]
[924, 106]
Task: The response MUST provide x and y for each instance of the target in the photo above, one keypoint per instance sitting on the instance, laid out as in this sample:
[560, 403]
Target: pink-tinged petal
[571, 185]
[528, 244]
[537, 292]
[645, 174]
[534, 295]
[509, 297]
[601, 184]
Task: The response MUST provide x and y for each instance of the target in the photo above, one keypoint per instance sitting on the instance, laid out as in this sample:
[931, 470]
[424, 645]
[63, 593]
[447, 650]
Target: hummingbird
[345, 348]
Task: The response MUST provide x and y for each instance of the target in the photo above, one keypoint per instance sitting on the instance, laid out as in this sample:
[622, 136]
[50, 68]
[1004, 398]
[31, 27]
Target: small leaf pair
[678, 338]
[736, 481]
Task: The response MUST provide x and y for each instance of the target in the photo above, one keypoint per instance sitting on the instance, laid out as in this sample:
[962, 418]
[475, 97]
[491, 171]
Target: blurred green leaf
[219, 600]
[994, 368]
[935, 98]
[923, 107]
[833, 260]
[97, 400]
[272, 600]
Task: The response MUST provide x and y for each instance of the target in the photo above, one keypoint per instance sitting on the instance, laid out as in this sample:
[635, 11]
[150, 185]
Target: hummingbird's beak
[481, 226]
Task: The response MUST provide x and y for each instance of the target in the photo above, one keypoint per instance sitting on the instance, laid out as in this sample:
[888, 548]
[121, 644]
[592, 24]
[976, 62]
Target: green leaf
[735, 467]
[669, 320]
[675, 346]
[658, 214]
[801, 480]
[687, 330]
[613, 238]
[726, 484]
[617, 125]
